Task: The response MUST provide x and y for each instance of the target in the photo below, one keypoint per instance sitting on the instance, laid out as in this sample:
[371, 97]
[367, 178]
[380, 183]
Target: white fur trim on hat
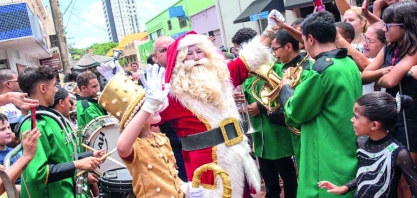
[191, 39]
[255, 54]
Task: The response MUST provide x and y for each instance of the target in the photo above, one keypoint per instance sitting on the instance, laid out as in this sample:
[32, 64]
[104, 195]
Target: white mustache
[191, 63]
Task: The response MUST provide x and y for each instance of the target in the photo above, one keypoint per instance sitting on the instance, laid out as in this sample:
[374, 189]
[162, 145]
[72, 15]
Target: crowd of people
[330, 109]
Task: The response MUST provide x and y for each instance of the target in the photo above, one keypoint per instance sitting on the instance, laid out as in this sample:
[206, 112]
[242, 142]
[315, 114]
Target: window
[183, 22]
[159, 33]
[169, 25]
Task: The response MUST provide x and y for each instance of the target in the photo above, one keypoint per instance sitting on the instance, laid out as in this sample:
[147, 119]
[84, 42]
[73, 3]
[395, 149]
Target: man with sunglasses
[8, 83]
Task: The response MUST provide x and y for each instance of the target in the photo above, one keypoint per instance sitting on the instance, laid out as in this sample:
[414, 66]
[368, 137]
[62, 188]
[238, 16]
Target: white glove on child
[106, 69]
[196, 192]
[271, 22]
[152, 83]
[192, 192]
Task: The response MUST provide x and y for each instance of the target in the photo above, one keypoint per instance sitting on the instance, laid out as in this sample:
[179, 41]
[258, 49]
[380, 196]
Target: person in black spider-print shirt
[381, 158]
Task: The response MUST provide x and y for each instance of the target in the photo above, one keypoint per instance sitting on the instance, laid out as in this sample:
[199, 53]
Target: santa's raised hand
[106, 69]
[156, 94]
[273, 25]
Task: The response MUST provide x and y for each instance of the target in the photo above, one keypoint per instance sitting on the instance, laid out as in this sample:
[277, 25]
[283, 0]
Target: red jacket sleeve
[238, 71]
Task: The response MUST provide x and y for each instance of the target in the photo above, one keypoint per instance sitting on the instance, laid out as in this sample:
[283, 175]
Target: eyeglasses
[367, 40]
[387, 26]
[276, 48]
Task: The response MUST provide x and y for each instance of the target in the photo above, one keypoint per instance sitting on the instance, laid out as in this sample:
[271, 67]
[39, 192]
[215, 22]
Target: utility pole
[62, 43]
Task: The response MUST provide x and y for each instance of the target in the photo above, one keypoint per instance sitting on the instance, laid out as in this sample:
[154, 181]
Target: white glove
[196, 192]
[106, 69]
[271, 22]
[152, 83]
[192, 192]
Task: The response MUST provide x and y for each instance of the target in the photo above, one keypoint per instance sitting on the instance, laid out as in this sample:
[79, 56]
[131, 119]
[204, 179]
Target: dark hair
[297, 22]
[31, 76]
[404, 12]
[84, 78]
[61, 94]
[348, 30]
[149, 60]
[283, 37]
[5, 75]
[3, 118]
[230, 50]
[321, 26]
[71, 77]
[381, 107]
[377, 28]
[243, 35]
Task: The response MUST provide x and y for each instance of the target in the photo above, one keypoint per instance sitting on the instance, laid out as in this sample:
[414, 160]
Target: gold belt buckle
[233, 141]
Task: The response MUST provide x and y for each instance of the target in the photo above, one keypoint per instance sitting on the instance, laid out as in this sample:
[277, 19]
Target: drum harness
[69, 137]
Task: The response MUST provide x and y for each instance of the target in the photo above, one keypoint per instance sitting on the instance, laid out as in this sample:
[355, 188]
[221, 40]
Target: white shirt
[12, 112]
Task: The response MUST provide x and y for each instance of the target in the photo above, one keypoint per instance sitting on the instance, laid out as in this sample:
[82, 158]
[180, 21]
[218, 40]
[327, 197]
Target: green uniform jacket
[280, 70]
[87, 110]
[322, 104]
[51, 173]
[271, 141]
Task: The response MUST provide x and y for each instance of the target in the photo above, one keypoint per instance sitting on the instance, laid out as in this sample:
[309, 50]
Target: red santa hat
[188, 39]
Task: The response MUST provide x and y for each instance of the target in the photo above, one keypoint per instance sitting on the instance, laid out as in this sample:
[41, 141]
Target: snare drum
[116, 184]
[102, 134]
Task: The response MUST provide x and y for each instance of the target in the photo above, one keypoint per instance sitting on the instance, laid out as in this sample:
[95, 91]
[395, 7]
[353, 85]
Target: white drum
[102, 134]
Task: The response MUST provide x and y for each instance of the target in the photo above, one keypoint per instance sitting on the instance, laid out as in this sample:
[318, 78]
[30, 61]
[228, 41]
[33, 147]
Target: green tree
[102, 48]
[77, 53]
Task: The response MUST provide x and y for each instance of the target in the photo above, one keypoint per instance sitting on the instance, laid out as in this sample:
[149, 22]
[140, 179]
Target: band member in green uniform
[287, 51]
[52, 171]
[62, 105]
[87, 106]
[272, 143]
[322, 104]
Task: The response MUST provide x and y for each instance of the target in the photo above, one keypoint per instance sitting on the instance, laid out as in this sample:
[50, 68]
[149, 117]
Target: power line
[66, 9]
[68, 20]
[88, 22]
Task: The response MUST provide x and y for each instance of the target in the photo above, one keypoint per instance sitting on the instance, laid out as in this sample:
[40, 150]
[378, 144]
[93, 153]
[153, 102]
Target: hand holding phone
[319, 5]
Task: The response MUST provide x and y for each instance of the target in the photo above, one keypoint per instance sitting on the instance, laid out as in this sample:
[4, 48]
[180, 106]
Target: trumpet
[245, 109]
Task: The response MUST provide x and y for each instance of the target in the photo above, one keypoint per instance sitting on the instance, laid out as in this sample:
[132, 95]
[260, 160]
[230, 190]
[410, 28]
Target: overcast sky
[85, 23]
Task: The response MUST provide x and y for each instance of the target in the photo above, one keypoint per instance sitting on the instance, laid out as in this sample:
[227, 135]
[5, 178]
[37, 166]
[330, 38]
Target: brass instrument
[270, 90]
[296, 71]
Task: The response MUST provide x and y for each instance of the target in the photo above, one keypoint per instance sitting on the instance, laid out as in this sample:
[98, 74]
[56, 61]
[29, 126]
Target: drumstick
[108, 158]
[89, 148]
[101, 159]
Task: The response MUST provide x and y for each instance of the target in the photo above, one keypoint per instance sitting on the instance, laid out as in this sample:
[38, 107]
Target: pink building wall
[206, 21]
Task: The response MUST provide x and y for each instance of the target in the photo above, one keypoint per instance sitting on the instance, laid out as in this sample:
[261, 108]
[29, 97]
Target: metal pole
[62, 43]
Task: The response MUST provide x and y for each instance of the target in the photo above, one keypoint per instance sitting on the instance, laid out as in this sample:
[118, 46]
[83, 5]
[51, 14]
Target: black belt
[229, 133]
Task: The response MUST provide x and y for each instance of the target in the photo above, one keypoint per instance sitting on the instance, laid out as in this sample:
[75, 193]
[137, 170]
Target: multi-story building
[25, 27]
[121, 18]
[180, 17]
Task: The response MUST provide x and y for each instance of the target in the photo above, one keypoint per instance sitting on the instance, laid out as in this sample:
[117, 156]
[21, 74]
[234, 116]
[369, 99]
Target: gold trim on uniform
[47, 174]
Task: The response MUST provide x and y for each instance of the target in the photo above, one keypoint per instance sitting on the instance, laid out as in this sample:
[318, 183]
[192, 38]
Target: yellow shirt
[153, 168]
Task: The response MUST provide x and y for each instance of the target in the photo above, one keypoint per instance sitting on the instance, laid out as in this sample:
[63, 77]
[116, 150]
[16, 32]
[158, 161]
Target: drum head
[118, 180]
[102, 134]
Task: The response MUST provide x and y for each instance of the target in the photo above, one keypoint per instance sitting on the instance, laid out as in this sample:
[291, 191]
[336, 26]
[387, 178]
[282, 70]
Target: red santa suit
[190, 116]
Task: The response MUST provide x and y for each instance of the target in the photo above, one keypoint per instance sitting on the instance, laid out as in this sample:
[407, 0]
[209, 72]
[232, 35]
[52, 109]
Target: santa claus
[203, 111]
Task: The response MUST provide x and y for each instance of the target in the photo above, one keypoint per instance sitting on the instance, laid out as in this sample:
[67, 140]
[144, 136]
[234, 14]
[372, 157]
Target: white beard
[205, 90]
